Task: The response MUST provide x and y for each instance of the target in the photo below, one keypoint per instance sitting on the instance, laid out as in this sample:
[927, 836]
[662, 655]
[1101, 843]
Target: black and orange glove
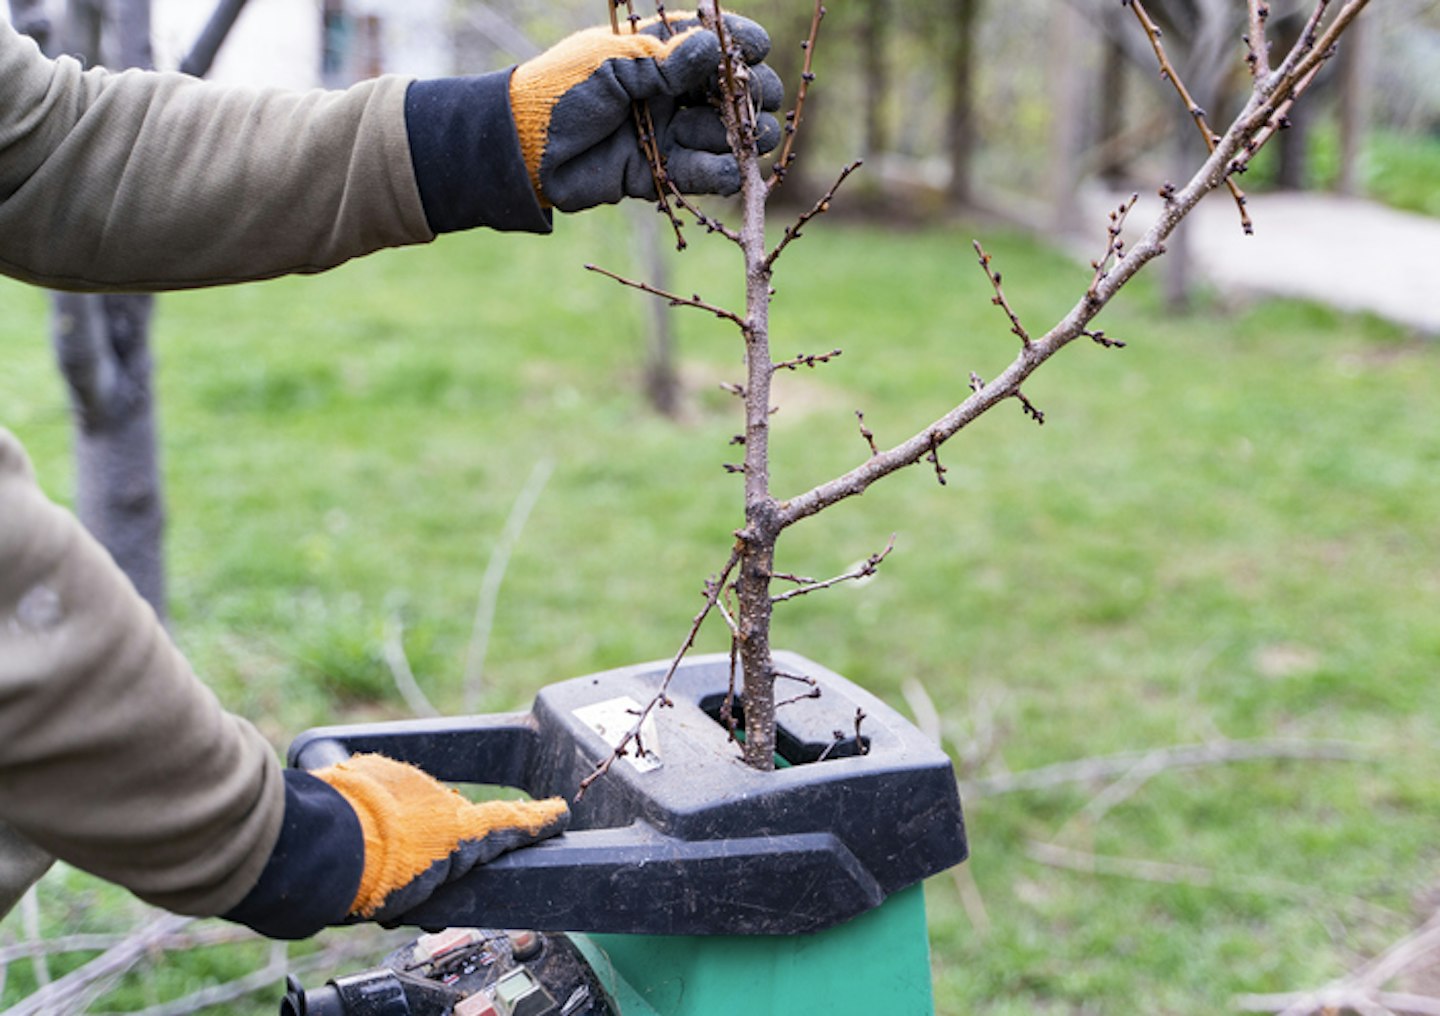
[420, 834]
[573, 110]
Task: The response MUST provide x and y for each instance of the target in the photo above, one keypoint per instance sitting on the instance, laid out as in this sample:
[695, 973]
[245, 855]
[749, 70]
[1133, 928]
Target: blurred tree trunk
[662, 377]
[29, 18]
[102, 344]
[1067, 115]
[961, 136]
[874, 35]
[1292, 165]
[1354, 105]
[198, 61]
[1113, 170]
[1206, 28]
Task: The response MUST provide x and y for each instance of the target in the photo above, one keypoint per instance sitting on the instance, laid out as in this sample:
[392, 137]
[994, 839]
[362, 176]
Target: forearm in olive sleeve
[150, 181]
[113, 756]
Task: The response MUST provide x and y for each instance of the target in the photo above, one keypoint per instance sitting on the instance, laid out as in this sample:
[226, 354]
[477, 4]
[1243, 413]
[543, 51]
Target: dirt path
[1352, 254]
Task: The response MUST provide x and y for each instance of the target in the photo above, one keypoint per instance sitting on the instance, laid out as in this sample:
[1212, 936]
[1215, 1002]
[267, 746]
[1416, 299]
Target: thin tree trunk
[1354, 107]
[875, 35]
[1292, 171]
[102, 344]
[662, 379]
[961, 140]
[1203, 67]
[202, 55]
[29, 18]
[1112, 112]
[1067, 104]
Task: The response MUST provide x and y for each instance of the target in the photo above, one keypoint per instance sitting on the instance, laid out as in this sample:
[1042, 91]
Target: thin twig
[863, 570]
[479, 645]
[645, 130]
[793, 118]
[392, 647]
[867, 433]
[674, 299]
[714, 590]
[1309, 35]
[1030, 408]
[1364, 986]
[807, 360]
[933, 457]
[1114, 245]
[1167, 70]
[1164, 872]
[999, 298]
[813, 693]
[708, 222]
[30, 922]
[820, 207]
[1187, 756]
[67, 993]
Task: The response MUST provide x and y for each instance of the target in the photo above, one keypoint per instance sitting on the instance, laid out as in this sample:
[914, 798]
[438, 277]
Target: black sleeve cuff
[466, 155]
[314, 871]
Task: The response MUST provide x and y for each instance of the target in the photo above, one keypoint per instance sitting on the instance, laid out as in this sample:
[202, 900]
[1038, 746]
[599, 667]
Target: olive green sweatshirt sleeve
[147, 181]
[113, 756]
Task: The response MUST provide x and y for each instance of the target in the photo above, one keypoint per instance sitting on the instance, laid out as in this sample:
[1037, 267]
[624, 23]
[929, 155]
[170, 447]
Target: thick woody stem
[757, 538]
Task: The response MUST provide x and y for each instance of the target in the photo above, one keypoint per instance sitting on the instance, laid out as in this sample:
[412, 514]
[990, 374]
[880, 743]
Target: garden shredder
[688, 883]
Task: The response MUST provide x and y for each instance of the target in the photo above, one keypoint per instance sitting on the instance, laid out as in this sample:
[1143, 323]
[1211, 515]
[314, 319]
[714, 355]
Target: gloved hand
[573, 110]
[420, 834]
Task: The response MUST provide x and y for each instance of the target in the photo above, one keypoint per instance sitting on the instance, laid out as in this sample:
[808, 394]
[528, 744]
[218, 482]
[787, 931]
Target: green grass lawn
[1226, 529]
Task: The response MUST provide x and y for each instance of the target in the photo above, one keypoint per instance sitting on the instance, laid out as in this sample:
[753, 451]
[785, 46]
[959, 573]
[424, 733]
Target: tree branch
[1212, 174]
[1167, 70]
[793, 118]
[1169, 873]
[1259, 56]
[1115, 246]
[675, 300]
[864, 570]
[202, 54]
[1188, 756]
[808, 360]
[822, 206]
[713, 591]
